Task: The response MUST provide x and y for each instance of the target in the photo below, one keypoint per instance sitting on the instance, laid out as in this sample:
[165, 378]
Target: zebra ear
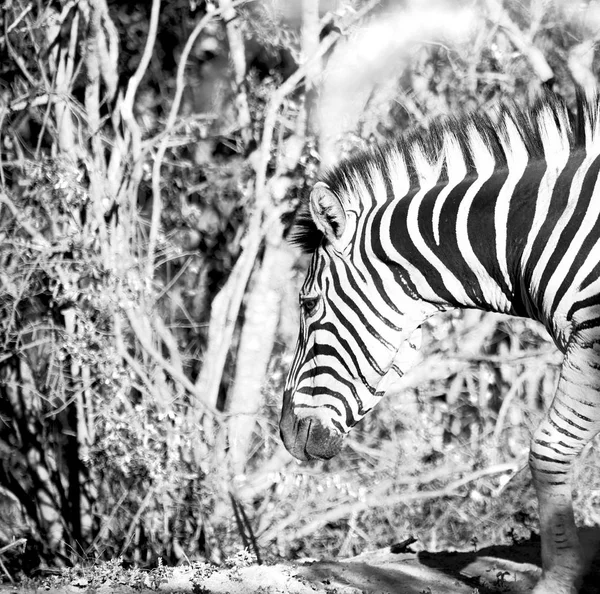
[327, 212]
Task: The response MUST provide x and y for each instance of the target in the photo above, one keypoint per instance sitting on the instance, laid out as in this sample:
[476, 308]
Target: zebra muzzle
[306, 438]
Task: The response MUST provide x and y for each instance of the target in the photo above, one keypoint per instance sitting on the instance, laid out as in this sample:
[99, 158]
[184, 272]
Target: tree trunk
[245, 397]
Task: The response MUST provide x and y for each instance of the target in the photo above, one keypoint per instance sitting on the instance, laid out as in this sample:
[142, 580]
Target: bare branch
[23, 14]
[237, 52]
[136, 519]
[92, 88]
[21, 218]
[141, 328]
[62, 105]
[12, 545]
[134, 83]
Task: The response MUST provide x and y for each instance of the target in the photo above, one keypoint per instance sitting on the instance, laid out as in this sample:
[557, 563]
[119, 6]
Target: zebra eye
[309, 304]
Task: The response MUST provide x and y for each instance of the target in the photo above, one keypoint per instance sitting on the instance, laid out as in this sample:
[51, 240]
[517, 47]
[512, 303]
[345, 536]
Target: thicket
[151, 158]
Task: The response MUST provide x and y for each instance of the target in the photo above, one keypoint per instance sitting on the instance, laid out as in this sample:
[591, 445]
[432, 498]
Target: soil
[512, 569]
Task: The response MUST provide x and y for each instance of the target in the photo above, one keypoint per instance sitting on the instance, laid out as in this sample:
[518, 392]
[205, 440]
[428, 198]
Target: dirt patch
[513, 569]
[510, 569]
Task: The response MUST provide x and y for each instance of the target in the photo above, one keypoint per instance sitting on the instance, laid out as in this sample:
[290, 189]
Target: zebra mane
[467, 142]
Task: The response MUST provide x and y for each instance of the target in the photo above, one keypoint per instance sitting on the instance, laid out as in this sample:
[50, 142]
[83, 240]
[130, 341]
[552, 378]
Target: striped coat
[500, 214]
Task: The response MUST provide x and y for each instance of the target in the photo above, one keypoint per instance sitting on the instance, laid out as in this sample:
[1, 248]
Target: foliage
[142, 224]
[110, 574]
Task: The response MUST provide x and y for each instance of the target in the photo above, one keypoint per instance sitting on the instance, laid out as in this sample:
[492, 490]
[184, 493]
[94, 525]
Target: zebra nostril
[322, 442]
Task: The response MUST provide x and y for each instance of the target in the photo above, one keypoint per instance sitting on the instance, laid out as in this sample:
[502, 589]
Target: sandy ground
[511, 569]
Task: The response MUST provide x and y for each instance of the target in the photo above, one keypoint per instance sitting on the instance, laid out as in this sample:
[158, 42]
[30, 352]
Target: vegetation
[151, 158]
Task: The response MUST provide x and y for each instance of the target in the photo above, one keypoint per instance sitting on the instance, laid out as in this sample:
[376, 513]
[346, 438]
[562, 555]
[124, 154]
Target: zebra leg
[571, 422]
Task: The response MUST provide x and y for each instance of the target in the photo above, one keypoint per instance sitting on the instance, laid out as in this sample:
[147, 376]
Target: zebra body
[499, 215]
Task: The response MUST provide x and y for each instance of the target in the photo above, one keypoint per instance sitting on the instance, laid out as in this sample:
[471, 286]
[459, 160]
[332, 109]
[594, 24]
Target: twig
[66, 402]
[277, 98]
[510, 359]
[18, 61]
[244, 527]
[151, 142]
[40, 54]
[20, 103]
[3, 567]
[3, 164]
[106, 522]
[21, 219]
[370, 502]
[42, 132]
[19, 18]
[69, 70]
[72, 50]
[381, 488]
[375, 500]
[135, 521]
[507, 403]
[176, 374]
[12, 545]
[174, 280]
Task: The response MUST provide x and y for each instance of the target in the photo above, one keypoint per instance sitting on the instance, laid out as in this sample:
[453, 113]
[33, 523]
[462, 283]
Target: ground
[512, 569]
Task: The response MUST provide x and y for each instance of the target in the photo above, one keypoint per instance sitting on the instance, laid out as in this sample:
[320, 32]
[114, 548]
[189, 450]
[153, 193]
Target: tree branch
[134, 83]
[162, 147]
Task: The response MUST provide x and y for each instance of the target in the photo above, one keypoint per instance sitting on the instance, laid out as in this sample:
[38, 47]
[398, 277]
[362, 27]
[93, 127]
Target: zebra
[497, 211]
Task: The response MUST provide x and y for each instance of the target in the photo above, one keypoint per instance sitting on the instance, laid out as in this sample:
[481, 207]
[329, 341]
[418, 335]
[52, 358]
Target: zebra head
[351, 332]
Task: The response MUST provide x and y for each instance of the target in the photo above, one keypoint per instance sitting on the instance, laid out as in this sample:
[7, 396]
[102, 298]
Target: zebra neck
[461, 244]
